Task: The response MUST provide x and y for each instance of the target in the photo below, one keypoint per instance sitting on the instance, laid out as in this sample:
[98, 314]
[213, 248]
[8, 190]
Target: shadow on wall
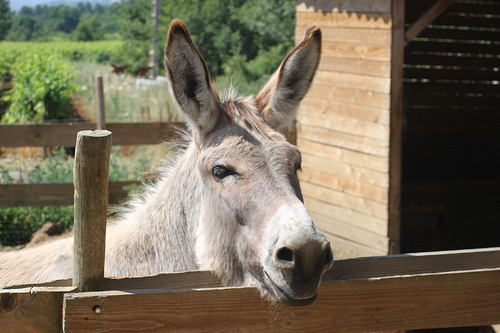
[372, 12]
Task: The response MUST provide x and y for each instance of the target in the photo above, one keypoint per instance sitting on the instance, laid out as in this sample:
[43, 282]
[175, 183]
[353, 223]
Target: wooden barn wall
[451, 156]
[343, 124]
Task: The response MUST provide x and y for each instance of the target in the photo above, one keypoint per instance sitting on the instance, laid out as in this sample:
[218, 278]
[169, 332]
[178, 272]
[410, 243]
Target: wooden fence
[64, 134]
[412, 291]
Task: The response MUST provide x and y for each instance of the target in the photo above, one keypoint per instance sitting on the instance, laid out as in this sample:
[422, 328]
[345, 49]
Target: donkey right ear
[189, 81]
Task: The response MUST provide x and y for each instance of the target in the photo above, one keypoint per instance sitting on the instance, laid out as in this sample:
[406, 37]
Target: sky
[16, 5]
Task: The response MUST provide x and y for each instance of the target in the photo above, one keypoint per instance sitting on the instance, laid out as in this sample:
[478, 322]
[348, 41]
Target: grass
[126, 99]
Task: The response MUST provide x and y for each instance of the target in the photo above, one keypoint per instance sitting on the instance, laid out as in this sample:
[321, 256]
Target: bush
[18, 223]
[42, 88]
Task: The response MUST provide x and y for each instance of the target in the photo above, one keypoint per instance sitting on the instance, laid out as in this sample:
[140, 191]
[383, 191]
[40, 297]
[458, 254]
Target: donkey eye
[221, 172]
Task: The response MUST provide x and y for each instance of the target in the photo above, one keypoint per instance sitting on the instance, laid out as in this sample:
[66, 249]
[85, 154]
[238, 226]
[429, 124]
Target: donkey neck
[157, 234]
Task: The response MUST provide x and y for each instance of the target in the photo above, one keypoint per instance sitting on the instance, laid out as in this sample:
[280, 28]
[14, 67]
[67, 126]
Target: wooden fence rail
[412, 291]
[64, 134]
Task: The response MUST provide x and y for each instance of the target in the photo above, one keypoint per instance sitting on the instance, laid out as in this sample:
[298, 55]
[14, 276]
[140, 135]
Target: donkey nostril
[328, 257]
[285, 254]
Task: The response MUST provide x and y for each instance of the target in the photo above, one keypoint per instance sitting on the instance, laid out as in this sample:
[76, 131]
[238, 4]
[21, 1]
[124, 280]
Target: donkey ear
[189, 81]
[280, 97]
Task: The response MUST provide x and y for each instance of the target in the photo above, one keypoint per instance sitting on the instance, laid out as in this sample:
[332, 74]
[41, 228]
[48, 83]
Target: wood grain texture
[341, 124]
[347, 215]
[57, 135]
[344, 123]
[340, 154]
[339, 5]
[343, 199]
[32, 310]
[343, 170]
[345, 185]
[349, 95]
[22, 195]
[404, 302]
[358, 19]
[349, 34]
[91, 175]
[354, 233]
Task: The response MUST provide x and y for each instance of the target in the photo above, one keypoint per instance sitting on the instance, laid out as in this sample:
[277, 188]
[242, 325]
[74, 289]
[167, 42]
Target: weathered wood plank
[341, 124]
[415, 263]
[349, 95]
[344, 199]
[364, 113]
[51, 135]
[21, 195]
[346, 185]
[404, 302]
[373, 52]
[90, 177]
[344, 248]
[339, 154]
[349, 34]
[353, 81]
[336, 168]
[30, 310]
[347, 215]
[339, 5]
[345, 19]
[396, 126]
[355, 66]
[182, 280]
[355, 234]
[351, 269]
[346, 140]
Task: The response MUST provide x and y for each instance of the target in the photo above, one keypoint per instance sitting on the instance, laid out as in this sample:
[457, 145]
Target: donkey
[229, 201]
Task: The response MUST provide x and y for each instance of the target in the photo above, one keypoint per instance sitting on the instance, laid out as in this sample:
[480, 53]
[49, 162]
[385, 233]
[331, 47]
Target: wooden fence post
[91, 172]
[101, 112]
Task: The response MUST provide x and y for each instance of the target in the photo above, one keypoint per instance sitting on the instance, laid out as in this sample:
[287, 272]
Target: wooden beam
[396, 303]
[348, 269]
[34, 309]
[437, 9]
[91, 175]
[52, 135]
[396, 127]
[33, 195]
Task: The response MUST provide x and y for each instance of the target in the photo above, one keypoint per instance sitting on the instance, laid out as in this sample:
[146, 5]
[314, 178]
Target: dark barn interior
[451, 136]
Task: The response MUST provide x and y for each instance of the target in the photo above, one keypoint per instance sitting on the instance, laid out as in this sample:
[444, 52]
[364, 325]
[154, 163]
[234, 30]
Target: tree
[23, 28]
[5, 18]
[89, 28]
[136, 30]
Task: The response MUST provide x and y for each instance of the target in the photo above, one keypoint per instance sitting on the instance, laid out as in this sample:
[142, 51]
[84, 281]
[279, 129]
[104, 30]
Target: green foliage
[46, 23]
[239, 39]
[5, 18]
[136, 30]
[89, 29]
[42, 88]
[17, 224]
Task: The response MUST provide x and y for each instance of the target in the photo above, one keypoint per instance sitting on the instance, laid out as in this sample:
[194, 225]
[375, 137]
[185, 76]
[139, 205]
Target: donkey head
[253, 228]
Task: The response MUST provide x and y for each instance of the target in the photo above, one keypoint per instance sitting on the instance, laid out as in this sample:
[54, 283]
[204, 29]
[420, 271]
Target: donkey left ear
[279, 99]
[189, 81]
